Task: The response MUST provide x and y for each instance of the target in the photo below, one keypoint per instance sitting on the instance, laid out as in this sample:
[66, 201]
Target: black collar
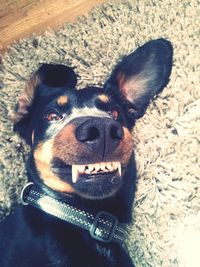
[102, 226]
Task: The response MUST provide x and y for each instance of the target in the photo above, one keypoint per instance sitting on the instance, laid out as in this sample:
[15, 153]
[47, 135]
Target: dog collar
[102, 226]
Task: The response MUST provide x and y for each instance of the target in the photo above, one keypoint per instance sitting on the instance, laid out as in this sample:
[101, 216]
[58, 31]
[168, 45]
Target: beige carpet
[167, 208]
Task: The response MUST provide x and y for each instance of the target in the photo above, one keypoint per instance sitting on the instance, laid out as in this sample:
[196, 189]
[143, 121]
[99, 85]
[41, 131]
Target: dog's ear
[142, 74]
[57, 76]
[49, 75]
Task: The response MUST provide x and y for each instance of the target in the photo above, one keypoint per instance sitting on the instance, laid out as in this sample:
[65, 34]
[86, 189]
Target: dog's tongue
[102, 167]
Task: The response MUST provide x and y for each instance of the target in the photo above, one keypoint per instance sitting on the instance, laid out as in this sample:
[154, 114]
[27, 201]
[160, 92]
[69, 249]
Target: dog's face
[81, 139]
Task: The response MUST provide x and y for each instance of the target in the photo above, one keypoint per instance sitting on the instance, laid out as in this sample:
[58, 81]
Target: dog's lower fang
[75, 173]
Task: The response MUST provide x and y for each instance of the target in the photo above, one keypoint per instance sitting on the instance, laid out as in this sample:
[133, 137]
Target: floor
[21, 18]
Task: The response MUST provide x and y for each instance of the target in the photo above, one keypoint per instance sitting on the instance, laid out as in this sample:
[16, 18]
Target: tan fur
[26, 99]
[104, 98]
[132, 88]
[125, 148]
[62, 100]
[43, 156]
[66, 147]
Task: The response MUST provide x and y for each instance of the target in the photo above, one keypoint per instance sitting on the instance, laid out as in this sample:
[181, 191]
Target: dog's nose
[100, 134]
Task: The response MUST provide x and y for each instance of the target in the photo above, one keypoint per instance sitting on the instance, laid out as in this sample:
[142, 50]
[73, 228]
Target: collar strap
[102, 226]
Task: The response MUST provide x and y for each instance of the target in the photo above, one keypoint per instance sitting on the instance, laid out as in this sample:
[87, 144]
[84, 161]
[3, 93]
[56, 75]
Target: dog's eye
[114, 113]
[53, 116]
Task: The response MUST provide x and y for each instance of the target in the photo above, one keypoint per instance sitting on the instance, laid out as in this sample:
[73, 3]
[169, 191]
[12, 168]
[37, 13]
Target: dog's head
[81, 139]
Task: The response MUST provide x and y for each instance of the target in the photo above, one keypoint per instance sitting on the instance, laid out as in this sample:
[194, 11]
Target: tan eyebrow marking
[104, 98]
[62, 100]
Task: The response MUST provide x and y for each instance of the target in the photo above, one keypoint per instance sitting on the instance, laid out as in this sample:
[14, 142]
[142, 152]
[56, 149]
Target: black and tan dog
[81, 166]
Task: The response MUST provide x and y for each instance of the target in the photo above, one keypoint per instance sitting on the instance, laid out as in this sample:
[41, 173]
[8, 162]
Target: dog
[81, 168]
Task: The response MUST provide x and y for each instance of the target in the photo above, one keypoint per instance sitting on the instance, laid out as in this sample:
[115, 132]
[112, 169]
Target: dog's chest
[104, 252]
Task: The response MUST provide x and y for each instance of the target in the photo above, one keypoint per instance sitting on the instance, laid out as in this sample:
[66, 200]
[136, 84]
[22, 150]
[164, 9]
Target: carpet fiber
[166, 230]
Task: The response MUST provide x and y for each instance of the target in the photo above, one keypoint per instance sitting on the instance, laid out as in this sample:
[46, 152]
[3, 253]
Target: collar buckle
[104, 226]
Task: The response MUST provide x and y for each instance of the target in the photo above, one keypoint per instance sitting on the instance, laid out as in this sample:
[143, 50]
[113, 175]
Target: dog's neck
[119, 205]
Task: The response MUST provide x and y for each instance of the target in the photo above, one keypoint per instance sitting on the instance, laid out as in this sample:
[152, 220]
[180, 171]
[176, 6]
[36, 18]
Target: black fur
[31, 238]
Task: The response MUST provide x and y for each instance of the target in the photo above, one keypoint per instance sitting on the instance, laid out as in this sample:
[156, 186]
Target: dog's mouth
[94, 170]
[94, 181]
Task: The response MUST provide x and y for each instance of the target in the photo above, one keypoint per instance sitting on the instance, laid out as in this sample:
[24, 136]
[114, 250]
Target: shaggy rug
[166, 230]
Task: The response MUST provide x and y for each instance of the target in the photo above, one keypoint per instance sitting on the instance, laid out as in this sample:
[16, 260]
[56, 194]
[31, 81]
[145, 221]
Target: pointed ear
[49, 75]
[142, 74]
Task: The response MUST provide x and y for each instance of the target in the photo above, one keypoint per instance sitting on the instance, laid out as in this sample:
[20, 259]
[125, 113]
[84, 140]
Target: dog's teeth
[74, 173]
[109, 166]
[91, 167]
[97, 166]
[103, 166]
[119, 168]
[87, 171]
[115, 165]
[81, 168]
[94, 168]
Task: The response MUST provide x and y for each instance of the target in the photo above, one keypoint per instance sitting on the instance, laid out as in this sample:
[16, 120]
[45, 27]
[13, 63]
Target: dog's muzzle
[99, 134]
